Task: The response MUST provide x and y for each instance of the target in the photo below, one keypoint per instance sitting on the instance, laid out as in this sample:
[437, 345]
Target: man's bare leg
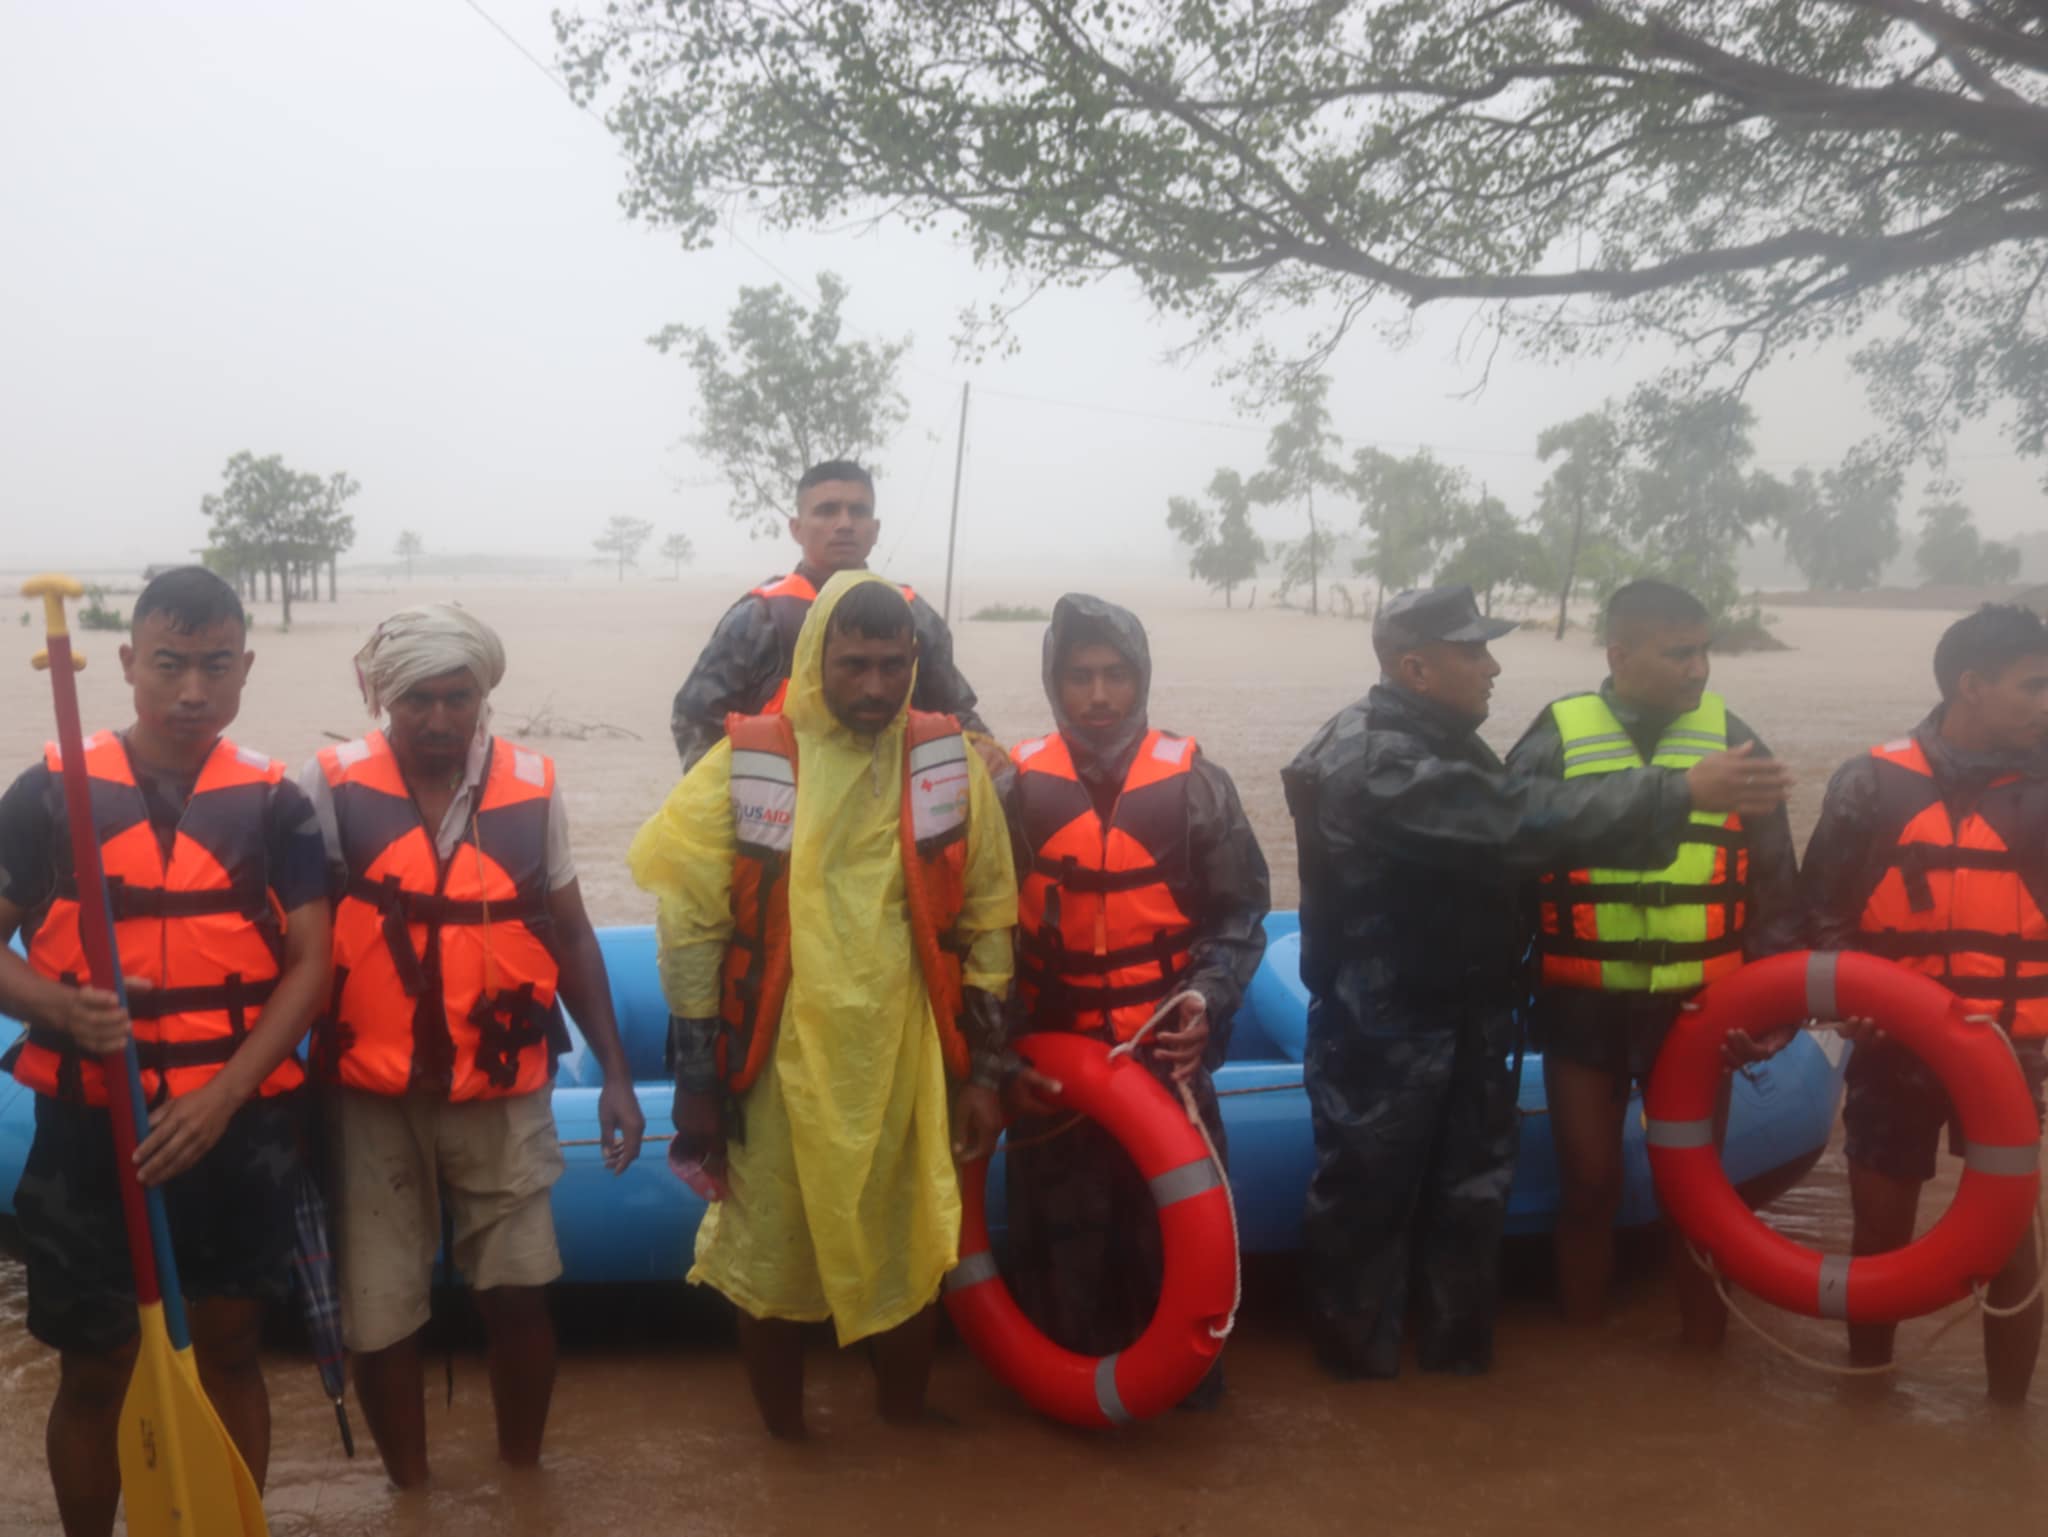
[773, 1349]
[393, 1392]
[2011, 1345]
[1885, 1209]
[82, 1438]
[520, 1337]
[1586, 1106]
[903, 1367]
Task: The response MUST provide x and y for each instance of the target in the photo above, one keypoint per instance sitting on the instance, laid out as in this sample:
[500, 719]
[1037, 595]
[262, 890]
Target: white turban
[416, 644]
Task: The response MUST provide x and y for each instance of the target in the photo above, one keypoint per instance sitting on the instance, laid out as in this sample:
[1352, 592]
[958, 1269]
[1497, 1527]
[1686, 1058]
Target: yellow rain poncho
[845, 1203]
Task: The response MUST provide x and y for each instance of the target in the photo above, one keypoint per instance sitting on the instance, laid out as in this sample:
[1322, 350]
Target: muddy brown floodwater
[1608, 1430]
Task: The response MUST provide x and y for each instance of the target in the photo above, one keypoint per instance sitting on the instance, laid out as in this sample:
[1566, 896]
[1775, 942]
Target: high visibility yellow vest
[1657, 931]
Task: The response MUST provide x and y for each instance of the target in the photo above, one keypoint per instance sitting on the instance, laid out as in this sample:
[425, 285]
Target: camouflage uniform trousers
[231, 1219]
[1084, 1251]
[1415, 1134]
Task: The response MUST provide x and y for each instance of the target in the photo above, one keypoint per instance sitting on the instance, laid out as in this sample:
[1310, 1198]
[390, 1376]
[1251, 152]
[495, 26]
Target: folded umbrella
[320, 1298]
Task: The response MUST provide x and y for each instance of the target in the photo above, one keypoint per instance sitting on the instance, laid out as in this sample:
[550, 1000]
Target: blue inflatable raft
[638, 1226]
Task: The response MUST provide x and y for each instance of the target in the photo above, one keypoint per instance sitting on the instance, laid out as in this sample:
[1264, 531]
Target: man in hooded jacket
[1142, 886]
[1416, 947]
[819, 1125]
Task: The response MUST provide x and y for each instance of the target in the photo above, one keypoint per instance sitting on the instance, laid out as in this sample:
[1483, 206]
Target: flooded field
[1575, 1432]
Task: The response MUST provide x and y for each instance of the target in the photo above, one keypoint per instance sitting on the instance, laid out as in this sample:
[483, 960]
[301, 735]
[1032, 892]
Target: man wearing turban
[458, 926]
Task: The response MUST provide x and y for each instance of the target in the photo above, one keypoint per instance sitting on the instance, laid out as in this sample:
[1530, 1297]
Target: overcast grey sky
[373, 237]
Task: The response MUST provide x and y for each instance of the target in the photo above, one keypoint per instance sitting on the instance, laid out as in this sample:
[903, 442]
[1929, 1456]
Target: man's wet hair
[875, 611]
[192, 598]
[1986, 643]
[1655, 603]
[835, 469]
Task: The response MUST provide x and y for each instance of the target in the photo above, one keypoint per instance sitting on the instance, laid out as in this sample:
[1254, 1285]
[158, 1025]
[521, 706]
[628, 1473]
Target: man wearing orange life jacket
[744, 668]
[1140, 882]
[219, 900]
[1933, 851]
[836, 900]
[458, 925]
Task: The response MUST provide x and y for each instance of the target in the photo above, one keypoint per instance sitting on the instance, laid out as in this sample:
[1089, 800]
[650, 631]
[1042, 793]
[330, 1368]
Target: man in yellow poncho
[835, 905]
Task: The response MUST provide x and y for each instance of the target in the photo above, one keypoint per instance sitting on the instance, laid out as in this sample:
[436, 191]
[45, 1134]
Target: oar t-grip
[53, 589]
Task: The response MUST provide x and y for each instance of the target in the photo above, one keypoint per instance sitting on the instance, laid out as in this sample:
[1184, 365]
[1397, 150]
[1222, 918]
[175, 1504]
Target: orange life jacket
[444, 979]
[1101, 938]
[789, 599]
[1961, 900]
[203, 927]
[934, 824]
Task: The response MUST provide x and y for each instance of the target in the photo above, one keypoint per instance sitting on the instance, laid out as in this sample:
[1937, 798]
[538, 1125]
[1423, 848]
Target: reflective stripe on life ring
[1180, 1344]
[2001, 1168]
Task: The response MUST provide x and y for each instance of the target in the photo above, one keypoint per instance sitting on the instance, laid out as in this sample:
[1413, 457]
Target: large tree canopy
[1738, 174]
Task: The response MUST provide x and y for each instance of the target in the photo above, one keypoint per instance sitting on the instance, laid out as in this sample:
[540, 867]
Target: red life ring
[1200, 1252]
[2001, 1165]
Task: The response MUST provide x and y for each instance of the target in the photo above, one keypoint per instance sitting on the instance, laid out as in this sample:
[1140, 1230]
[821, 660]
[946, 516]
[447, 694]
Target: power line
[553, 77]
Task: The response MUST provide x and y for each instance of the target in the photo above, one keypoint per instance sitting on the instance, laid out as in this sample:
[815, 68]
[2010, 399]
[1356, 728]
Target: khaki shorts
[395, 1159]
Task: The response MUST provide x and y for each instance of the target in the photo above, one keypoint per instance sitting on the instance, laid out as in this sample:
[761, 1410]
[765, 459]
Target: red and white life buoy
[2001, 1164]
[1197, 1292]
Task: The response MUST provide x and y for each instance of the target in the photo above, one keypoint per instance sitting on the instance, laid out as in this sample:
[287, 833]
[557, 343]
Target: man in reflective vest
[458, 924]
[835, 906]
[744, 668]
[1933, 851]
[220, 913]
[1622, 950]
[1414, 840]
[1141, 883]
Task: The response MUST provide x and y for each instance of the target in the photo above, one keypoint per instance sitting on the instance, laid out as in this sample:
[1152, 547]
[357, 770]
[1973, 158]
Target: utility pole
[953, 526]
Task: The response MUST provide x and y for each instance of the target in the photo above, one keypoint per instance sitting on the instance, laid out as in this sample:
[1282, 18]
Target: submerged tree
[677, 550]
[1414, 508]
[1495, 551]
[1299, 464]
[409, 547]
[283, 523]
[1692, 501]
[1580, 502]
[1841, 527]
[1952, 552]
[1223, 549]
[785, 391]
[622, 540]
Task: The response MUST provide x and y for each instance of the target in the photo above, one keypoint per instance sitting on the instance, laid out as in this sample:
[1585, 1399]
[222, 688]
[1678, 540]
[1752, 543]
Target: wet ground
[1610, 1430]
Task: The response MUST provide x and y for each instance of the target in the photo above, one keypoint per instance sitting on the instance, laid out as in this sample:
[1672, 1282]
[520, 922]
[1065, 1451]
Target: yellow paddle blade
[180, 1473]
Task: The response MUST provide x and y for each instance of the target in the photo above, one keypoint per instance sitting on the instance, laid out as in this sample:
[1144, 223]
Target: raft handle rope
[1978, 1301]
[1187, 1101]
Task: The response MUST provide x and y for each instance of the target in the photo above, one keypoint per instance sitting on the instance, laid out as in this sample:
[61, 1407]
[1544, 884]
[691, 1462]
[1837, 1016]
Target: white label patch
[1172, 749]
[1029, 750]
[938, 788]
[764, 813]
[349, 754]
[252, 759]
[529, 766]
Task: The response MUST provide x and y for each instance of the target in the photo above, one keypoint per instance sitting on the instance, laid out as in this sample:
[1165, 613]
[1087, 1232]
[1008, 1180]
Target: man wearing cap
[458, 925]
[1414, 842]
[744, 668]
[1616, 971]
